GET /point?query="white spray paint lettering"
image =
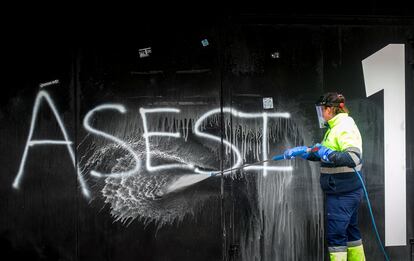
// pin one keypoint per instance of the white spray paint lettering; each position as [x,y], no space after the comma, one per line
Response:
[31,143]
[121,143]
[148,134]
[265,116]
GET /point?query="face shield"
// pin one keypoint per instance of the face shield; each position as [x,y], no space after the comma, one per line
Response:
[329,100]
[321,120]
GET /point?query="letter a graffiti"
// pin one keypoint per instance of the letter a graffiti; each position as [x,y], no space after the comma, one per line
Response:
[43,95]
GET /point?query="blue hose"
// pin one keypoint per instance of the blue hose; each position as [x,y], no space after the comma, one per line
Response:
[281,157]
[372,216]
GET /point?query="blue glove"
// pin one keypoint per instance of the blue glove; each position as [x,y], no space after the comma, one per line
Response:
[297,151]
[323,153]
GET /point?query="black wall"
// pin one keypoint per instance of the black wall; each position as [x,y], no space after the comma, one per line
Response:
[238,217]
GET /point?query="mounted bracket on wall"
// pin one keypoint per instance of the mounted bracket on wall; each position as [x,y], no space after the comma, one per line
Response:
[268,103]
[205,42]
[144,52]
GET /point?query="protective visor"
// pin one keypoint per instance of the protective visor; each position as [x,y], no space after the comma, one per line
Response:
[321,120]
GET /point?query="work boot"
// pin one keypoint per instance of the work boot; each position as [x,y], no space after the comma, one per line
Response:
[356,253]
[338,256]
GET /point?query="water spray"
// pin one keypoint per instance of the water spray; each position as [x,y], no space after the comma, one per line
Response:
[187,181]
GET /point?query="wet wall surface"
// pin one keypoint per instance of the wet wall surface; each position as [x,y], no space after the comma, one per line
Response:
[122,146]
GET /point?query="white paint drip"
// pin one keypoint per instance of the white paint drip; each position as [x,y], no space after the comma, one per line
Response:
[247,142]
[188,180]
[280,217]
[264,144]
[265,116]
[215,138]
[144,196]
[148,134]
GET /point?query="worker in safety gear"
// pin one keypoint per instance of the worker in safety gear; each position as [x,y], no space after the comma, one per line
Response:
[339,152]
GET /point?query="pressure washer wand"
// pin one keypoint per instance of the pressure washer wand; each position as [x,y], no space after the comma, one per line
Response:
[241,167]
[274,158]
[188,180]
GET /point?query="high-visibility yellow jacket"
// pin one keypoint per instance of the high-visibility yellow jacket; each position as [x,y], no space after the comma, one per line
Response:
[344,138]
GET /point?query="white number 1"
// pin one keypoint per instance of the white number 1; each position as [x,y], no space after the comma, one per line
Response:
[385,70]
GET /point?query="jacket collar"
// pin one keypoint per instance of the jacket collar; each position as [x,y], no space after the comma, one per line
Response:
[335,120]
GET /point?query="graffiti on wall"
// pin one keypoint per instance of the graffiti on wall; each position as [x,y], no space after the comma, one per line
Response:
[154,164]
[143,148]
